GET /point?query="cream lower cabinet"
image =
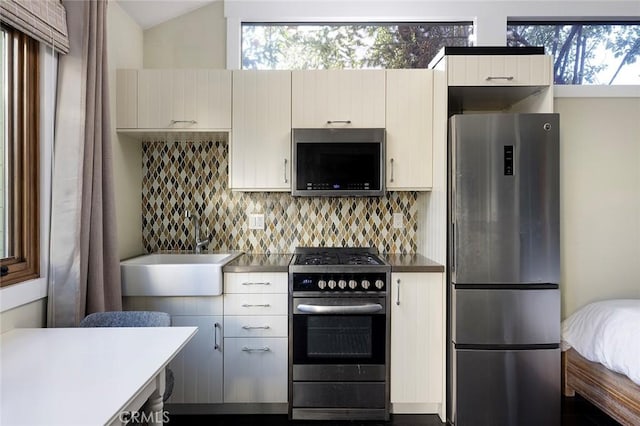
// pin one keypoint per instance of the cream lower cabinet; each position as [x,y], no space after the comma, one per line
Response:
[255,337]
[198,367]
[260,146]
[409,118]
[418,343]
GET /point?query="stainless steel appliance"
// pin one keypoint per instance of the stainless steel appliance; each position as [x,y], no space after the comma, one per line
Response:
[504,267]
[339,335]
[338,162]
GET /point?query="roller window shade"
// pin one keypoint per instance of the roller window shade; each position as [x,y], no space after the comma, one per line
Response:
[43,20]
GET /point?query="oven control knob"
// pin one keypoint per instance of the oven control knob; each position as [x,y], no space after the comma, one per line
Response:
[322,284]
[342,283]
[353,284]
[365,284]
[379,284]
[331,284]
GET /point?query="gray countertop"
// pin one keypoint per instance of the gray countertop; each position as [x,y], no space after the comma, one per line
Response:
[412,262]
[260,262]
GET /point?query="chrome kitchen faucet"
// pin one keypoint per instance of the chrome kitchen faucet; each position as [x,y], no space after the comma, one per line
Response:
[196,224]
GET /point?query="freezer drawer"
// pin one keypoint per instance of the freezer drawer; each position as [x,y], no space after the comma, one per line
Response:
[505,317]
[506,387]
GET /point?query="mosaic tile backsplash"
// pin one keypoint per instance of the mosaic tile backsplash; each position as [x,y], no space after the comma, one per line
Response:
[193,177]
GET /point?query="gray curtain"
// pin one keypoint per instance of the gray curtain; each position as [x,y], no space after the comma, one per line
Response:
[84,275]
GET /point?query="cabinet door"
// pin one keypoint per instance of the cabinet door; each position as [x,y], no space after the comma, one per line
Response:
[500,70]
[155,99]
[184,99]
[208,98]
[409,129]
[198,368]
[255,370]
[126,99]
[260,147]
[417,352]
[338,98]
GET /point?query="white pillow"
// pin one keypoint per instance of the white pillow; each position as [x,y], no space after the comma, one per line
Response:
[607,332]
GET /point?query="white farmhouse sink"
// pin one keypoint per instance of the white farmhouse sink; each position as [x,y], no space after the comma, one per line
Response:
[174,274]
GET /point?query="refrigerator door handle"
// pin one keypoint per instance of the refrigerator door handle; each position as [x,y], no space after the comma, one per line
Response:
[453,244]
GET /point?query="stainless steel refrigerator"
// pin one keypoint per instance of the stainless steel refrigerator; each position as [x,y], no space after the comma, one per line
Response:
[504,270]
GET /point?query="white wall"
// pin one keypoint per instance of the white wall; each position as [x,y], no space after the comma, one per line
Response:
[600,204]
[125,44]
[193,40]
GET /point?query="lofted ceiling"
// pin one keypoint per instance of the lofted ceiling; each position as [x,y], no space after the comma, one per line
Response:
[149,13]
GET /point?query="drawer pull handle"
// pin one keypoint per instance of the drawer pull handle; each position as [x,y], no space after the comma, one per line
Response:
[509,78]
[263,349]
[338,121]
[183,121]
[256,327]
[252,283]
[263,305]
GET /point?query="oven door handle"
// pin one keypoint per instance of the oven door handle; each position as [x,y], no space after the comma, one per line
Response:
[367,308]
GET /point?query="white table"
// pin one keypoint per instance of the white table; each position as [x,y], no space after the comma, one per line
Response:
[85,376]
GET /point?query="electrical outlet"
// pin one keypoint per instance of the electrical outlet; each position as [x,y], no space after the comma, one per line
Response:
[256,221]
[398,220]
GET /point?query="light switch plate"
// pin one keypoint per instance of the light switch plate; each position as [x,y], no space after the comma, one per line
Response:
[256,221]
[398,220]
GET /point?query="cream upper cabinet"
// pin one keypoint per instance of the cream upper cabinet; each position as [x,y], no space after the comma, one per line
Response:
[418,343]
[126,99]
[260,147]
[409,123]
[175,99]
[338,98]
[499,70]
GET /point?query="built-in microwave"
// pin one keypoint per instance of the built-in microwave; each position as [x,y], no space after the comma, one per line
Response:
[338,162]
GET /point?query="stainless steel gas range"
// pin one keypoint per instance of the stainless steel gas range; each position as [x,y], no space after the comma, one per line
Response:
[338,334]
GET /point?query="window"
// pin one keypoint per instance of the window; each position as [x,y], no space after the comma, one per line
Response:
[348,45]
[19,168]
[585,52]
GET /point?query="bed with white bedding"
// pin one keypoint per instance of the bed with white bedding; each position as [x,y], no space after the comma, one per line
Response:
[601,344]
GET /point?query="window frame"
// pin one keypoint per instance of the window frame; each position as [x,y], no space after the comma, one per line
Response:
[345,23]
[23,153]
[566,87]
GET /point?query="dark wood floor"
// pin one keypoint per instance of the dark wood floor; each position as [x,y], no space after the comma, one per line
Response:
[575,412]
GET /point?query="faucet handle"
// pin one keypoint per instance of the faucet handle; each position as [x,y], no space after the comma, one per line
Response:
[187,214]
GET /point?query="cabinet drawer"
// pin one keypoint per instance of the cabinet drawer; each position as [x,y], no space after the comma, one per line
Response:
[256,326]
[255,369]
[256,282]
[255,304]
[499,70]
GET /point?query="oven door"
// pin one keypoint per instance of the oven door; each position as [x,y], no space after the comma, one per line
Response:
[339,330]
